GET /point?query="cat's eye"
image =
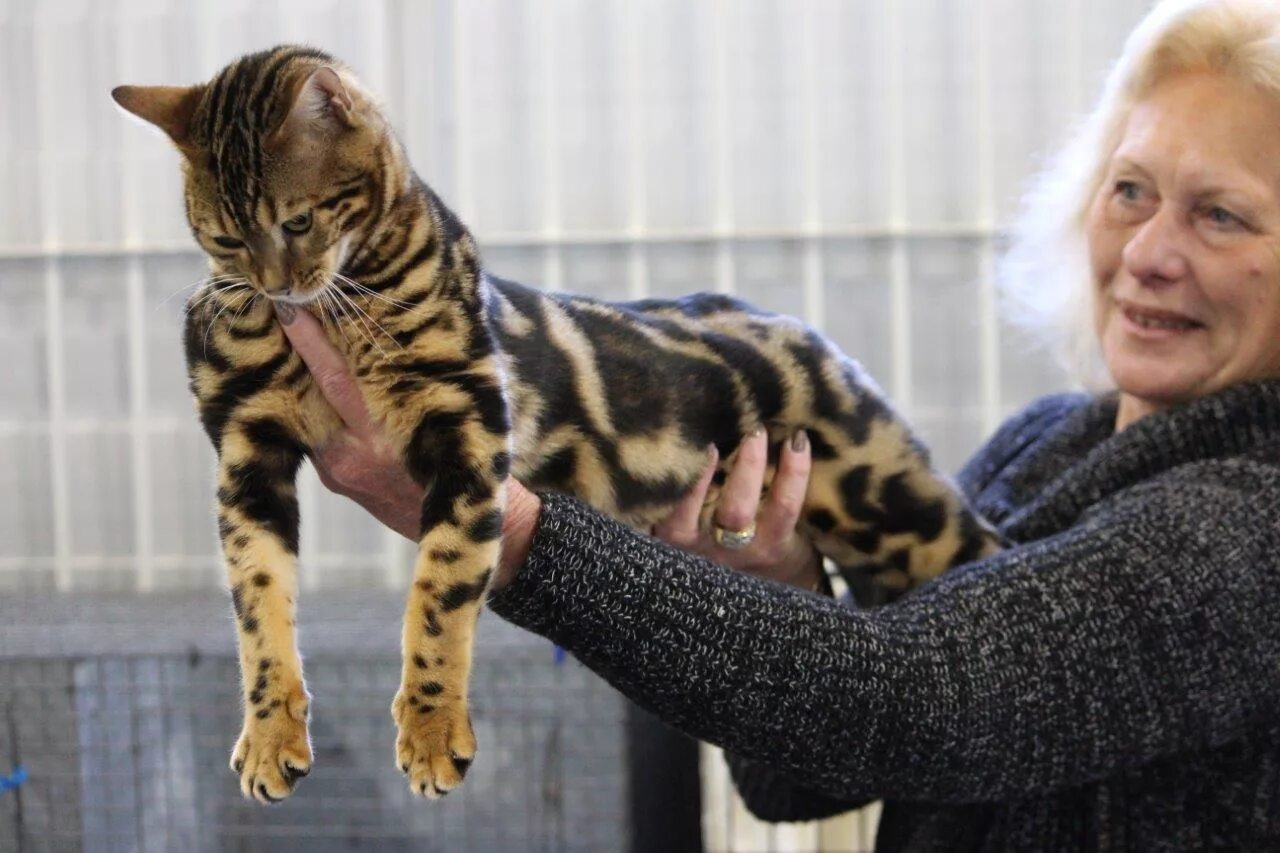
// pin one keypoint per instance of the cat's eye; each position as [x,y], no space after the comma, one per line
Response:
[299,224]
[228,242]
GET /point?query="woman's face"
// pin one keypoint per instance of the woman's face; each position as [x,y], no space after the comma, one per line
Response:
[1184,242]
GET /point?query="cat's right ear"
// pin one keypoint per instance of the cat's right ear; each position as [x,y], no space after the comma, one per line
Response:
[169,108]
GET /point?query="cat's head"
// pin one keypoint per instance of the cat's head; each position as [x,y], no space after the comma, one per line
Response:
[283,157]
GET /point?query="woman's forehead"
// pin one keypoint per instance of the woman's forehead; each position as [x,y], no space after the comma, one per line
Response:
[1206,129]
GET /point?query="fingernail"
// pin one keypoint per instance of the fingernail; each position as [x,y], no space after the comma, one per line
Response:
[757,432]
[713,452]
[800,441]
[285,312]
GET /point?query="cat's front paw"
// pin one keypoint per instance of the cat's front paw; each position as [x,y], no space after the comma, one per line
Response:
[435,745]
[274,749]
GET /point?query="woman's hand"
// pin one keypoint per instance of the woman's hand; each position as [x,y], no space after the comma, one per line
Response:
[361,464]
[777,551]
[358,462]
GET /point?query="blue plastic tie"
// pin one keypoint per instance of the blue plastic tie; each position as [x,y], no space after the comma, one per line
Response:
[559,656]
[14,779]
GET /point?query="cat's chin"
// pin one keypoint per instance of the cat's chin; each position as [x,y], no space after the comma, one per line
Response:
[296,299]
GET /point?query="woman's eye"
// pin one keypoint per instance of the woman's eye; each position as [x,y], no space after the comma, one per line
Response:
[299,224]
[1225,218]
[228,242]
[1128,190]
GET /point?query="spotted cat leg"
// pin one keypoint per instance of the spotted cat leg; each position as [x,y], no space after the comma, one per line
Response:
[258,524]
[462,523]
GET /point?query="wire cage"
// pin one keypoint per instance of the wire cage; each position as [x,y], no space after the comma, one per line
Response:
[129,751]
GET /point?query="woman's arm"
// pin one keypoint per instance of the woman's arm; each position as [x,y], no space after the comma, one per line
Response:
[1046,666]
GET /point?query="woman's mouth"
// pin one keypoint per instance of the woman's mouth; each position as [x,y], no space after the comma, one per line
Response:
[1156,320]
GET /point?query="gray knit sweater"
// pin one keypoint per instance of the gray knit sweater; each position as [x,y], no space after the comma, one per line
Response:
[1112,681]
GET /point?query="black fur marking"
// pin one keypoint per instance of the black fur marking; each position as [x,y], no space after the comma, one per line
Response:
[264,664]
[237,600]
[501,465]
[419,661]
[412,700]
[556,469]
[866,541]
[261,579]
[263,713]
[972,540]
[486,527]
[432,624]
[464,593]
[242,333]
[262,789]
[757,371]
[258,492]
[853,490]
[444,555]
[821,519]
[907,512]
[408,336]
[225,527]
[431,688]
[392,280]
[426,709]
[241,541]
[807,356]
[261,683]
[819,447]
[255,697]
[899,559]
[250,624]
[235,389]
[461,765]
[339,197]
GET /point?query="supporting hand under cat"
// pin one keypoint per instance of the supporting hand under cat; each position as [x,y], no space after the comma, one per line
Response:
[777,551]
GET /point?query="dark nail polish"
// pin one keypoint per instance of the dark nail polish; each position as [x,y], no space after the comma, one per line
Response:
[800,441]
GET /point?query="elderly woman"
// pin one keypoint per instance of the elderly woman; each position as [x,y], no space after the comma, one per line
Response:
[1112,679]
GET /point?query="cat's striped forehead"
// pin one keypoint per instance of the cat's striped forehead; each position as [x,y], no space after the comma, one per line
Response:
[241,106]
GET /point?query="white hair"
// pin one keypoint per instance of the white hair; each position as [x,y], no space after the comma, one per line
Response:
[1044,274]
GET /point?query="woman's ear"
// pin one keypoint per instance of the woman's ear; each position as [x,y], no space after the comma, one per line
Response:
[169,108]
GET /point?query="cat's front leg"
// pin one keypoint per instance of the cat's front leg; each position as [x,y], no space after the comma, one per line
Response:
[258,524]
[457,554]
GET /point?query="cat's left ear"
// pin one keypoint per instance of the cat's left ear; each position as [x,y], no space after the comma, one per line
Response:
[169,108]
[322,104]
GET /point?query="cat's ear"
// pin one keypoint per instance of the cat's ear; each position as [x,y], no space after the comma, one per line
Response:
[169,108]
[322,104]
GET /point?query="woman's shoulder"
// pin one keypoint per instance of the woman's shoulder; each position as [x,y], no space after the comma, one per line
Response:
[1016,434]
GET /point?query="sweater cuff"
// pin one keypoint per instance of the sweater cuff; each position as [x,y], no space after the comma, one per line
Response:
[566,531]
[772,797]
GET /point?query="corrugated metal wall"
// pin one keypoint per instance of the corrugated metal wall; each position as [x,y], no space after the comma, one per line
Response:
[849,161]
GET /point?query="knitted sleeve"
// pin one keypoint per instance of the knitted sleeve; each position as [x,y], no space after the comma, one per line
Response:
[1150,627]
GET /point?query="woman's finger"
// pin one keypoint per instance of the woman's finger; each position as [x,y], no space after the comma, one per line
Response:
[787,492]
[680,527]
[740,498]
[328,367]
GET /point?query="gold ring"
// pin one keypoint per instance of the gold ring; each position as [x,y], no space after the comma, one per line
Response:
[733,540]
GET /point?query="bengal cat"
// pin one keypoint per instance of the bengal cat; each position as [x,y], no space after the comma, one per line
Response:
[299,192]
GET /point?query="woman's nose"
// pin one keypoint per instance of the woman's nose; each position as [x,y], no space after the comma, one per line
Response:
[1155,253]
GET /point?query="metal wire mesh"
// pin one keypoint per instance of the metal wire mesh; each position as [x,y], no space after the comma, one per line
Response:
[127,752]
